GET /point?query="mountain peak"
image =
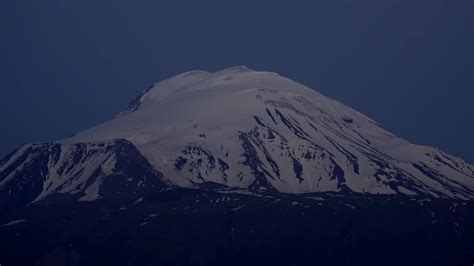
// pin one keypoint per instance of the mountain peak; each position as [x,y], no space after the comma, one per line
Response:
[270,132]
[248,130]
[236,69]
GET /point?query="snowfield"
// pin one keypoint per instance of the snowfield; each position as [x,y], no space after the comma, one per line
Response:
[241,129]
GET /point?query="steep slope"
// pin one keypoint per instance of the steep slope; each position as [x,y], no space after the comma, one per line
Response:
[84,172]
[259,131]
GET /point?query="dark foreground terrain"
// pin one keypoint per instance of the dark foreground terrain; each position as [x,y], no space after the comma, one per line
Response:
[190,227]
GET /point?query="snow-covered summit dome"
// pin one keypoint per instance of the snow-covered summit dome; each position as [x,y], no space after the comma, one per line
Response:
[262,124]
[239,128]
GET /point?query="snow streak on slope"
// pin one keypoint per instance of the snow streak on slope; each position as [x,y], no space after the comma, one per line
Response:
[78,171]
[260,131]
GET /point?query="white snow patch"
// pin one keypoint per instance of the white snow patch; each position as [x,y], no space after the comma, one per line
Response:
[351,206]
[15,222]
[139,200]
[239,207]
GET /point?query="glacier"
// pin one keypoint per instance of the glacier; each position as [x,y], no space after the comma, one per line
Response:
[239,129]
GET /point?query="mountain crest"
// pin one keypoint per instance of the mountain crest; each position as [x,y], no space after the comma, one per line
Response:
[240,129]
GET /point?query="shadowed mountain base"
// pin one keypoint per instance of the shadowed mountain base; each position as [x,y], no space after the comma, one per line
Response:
[191,227]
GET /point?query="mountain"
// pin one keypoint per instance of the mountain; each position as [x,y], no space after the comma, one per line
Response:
[235,129]
[81,171]
[236,167]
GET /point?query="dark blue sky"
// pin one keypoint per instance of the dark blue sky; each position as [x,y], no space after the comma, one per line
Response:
[68,65]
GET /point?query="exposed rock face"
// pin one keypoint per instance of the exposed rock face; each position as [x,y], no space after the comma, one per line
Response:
[236,128]
[81,171]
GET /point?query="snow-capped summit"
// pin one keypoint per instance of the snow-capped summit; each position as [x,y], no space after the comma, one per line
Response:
[251,130]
